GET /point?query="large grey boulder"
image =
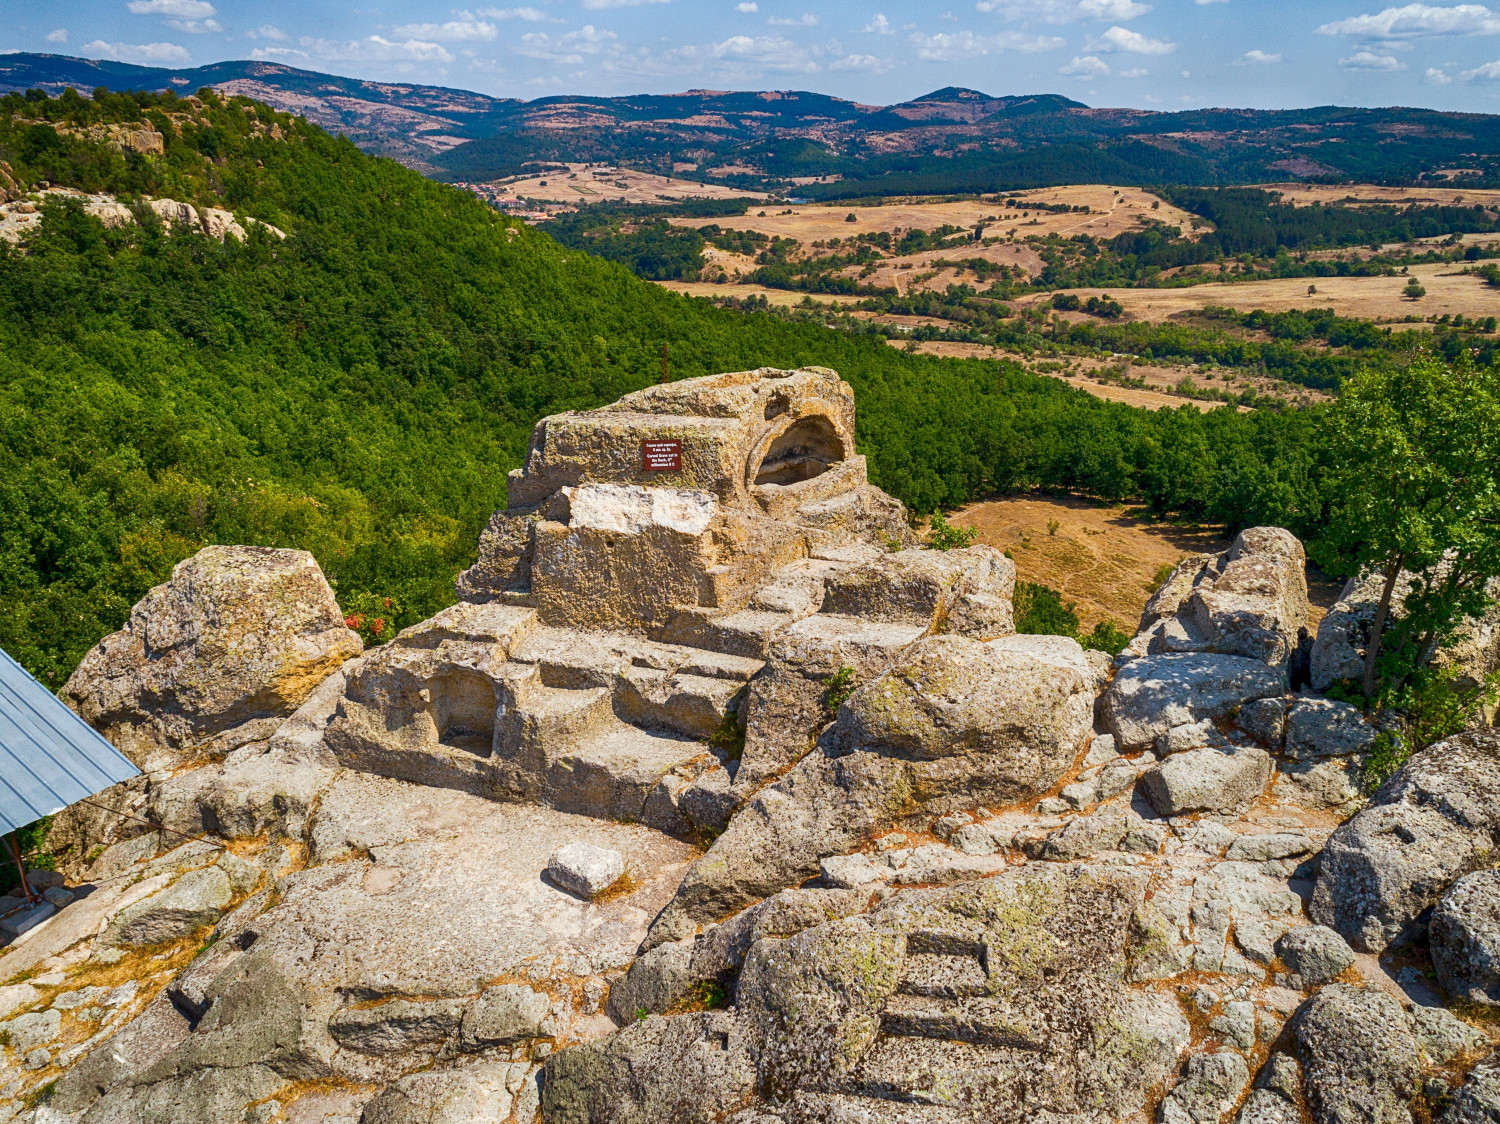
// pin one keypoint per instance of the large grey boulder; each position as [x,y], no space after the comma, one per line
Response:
[954,724]
[1208,780]
[1326,728]
[505,1013]
[196,899]
[1478,1098]
[1436,820]
[216,657]
[1209,1088]
[1314,952]
[1149,696]
[1465,938]
[1249,601]
[1359,1056]
[585,870]
[449,1096]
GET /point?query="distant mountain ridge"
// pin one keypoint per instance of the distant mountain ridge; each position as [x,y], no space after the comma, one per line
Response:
[951,140]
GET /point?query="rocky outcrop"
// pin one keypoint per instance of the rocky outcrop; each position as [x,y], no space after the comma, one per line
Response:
[1151,695]
[1436,820]
[1359,1055]
[1344,634]
[954,724]
[1249,601]
[1465,938]
[217,657]
[936,1003]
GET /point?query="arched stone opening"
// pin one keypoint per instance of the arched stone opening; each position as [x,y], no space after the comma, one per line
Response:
[463,709]
[809,448]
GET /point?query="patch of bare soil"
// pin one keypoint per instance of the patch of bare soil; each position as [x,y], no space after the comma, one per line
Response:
[582,184]
[1108,559]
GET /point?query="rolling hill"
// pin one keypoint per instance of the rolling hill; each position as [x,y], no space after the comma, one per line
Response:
[952,140]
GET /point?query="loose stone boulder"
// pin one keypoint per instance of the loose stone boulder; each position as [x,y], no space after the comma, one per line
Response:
[449,1096]
[1359,1056]
[1465,938]
[1209,1088]
[1326,728]
[1436,820]
[1208,780]
[954,724]
[1478,1098]
[1150,696]
[585,870]
[1314,952]
[216,657]
[503,1014]
[196,899]
[1249,601]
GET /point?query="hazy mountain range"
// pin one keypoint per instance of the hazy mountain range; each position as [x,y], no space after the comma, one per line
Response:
[951,140]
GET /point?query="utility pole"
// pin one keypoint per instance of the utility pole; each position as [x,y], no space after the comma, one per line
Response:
[664,362]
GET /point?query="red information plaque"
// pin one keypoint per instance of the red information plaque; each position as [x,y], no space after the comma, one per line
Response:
[662,456]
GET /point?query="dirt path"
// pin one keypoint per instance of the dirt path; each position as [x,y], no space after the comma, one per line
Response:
[1107,559]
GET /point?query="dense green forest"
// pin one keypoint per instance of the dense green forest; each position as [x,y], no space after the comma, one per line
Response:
[361,388]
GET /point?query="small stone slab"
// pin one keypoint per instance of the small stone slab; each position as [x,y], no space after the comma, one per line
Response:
[585,870]
[25,919]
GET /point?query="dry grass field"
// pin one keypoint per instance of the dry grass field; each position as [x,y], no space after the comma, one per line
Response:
[1106,559]
[1305,194]
[582,184]
[1370,298]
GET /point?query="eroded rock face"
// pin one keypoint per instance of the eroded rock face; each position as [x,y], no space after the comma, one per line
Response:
[937,997]
[1249,601]
[954,723]
[1465,938]
[1151,695]
[1433,822]
[217,657]
[1360,1057]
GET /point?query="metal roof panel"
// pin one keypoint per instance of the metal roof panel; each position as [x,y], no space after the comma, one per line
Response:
[49,757]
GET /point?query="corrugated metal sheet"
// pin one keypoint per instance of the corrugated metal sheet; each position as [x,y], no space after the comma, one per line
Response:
[49,757]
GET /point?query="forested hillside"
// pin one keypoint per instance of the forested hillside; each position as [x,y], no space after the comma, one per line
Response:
[361,388]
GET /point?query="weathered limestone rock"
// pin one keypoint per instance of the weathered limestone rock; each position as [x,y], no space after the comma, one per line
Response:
[971,589]
[196,899]
[1264,720]
[1359,1055]
[585,870]
[505,1013]
[1465,938]
[218,656]
[1314,952]
[955,723]
[448,1096]
[1436,820]
[1249,601]
[1326,728]
[1151,695]
[934,998]
[1208,780]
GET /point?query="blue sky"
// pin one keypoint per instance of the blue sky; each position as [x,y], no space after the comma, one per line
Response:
[1157,54]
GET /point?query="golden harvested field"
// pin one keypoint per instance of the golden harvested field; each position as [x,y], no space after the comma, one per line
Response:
[1104,558]
[1113,211]
[582,184]
[1305,194]
[1369,298]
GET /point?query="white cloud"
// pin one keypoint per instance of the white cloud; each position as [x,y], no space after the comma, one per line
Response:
[569,48]
[58,36]
[1206,2]
[1418,20]
[527,15]
[1368,60]
[465,30]
[1131,42]
[1436,77]
[269,31]
[138,52]
[1489,72]
[195,27]
[1257,57]
[600,5]
[748,7]
[880,26]
[1135,72]
[179,9]
[945,47]
[859,62]
[1086,66]
[372,48]
[1064,11]
[806,19]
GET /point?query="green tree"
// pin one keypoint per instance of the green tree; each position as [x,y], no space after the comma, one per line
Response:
[1415,486]
[1414,290]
